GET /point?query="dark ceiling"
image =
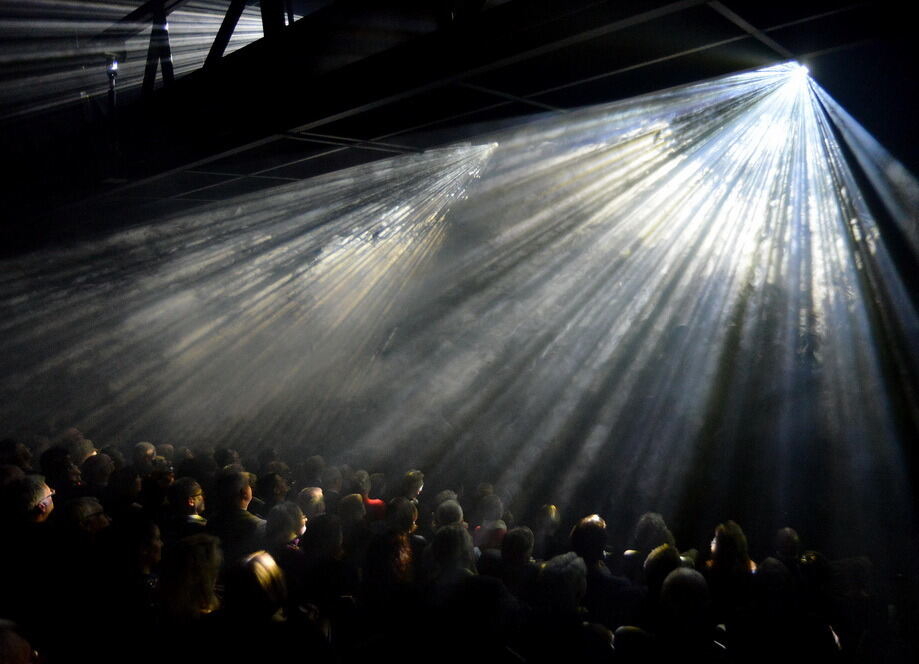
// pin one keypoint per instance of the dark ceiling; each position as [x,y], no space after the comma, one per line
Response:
[353,81]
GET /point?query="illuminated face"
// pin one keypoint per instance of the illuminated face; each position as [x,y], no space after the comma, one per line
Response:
[197,501]
[46,505]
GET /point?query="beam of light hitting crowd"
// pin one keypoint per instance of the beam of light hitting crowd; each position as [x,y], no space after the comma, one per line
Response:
[49,57]
[664,295]
[679,299]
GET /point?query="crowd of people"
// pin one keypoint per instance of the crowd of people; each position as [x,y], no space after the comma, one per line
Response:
[158,553]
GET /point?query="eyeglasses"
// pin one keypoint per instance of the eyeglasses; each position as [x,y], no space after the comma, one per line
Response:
[44,501]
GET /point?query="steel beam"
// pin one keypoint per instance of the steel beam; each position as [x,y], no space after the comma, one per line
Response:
[234,11]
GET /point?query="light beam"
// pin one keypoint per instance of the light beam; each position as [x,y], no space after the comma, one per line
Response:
[678,302]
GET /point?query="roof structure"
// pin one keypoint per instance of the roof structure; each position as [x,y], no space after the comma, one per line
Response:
[339,83]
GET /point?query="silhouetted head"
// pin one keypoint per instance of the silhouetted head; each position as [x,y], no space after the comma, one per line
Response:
[225,456]
[491,508]
[659,563]
[97,470]
[443,496]
[412,484]
[311,501]
[402,515]
[266,456]
[15,453]
[143,456]
[188,577]
[78,447]
[60,471]
[787,544]
[84,514]
[331,479]
[548,519]
[377,485]
[137,543]
[234,490]
[448,512]
[773,587]
[351,510]
[186,496]
[10,475]
[273,487]
[322,538]
[562,583]
[284,524]
[452,549]
[361,483]
[650,532]
[517,546]
[162,473]
[116,455]
[389,560]
[254,588]
[685,599]
[312,468]
[588,538]
[124,484]
[729,549]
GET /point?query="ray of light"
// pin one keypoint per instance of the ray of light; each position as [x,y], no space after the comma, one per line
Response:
[678,302]
[49,58]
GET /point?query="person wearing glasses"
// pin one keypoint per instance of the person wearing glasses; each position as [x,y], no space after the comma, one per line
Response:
[186,506]
[27,548]
[35,499]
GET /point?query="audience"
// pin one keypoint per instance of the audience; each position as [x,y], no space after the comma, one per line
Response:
[154,562]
